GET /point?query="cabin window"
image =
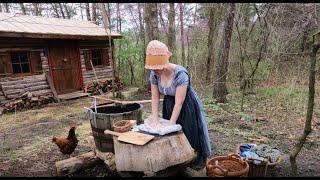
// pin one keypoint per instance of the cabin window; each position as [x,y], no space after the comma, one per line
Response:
[20,62]
[95,55]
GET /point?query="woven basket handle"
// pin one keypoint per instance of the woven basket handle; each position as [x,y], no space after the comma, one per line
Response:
[235,156]
[224,171]
[254,159]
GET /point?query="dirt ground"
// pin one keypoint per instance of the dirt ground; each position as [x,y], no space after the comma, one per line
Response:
[27,150]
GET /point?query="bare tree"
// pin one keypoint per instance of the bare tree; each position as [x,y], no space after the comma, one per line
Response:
[171,33]
[163,25]
[212,28]
[220,86]
[88,12]
[6,5]
[183,55]
[94,12]
[108,29]
[36,9]
[307,126]
[23,9]
[151,20]
[67,10]
[55,9]
[61,10]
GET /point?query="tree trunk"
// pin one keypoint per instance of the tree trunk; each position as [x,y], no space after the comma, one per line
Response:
[183,55]
[108,29]
[142,35]
[163,25]
[94,12]
[118,17]
[212,28]
[0,12]
[220,86]
[143,38]
[109,16]
[307,126]
[195,15]
[151,20]
[171,34]
[88,12]
[6,5]
[55,9]
[23,9]
[67,11]
[80,5]
[188,50]
[36,9]
[61,10]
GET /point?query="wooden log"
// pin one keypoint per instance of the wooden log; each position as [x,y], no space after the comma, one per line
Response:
[108,159]
[22,80]
[74,164]
[21,86]
[159,154]
[30,89]
[35,93]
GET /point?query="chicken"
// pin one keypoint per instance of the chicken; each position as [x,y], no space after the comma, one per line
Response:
[67,145]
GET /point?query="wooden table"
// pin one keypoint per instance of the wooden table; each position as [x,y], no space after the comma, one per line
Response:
[161,153]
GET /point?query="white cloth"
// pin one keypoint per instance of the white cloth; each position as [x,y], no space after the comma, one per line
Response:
[168,128]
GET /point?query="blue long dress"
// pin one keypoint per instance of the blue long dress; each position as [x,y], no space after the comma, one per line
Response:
[192,115]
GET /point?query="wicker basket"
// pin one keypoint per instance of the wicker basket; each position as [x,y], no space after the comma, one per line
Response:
[226,166]
[122,126]
[258,169]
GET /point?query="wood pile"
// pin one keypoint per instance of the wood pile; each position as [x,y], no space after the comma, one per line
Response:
[105,85]
[15,87]
[27,100]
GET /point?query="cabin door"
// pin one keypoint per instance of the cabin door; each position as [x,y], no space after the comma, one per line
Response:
[65,65]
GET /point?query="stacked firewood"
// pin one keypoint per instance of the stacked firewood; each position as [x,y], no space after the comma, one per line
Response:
[25,101]
[104,85]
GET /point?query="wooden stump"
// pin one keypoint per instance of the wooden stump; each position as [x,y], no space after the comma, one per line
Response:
[157,155]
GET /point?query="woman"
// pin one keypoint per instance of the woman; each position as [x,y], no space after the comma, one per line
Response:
[181,104]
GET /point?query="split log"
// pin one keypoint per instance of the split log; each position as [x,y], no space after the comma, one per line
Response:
[74,164]
[159,154]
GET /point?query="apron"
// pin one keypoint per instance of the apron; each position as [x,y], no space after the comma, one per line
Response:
[191,118]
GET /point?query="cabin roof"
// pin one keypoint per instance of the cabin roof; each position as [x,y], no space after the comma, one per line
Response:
[17,25]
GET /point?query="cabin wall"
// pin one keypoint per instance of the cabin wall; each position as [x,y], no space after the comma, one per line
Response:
[102,73]
[12,86]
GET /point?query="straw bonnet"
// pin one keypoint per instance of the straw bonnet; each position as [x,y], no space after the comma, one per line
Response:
[157,55]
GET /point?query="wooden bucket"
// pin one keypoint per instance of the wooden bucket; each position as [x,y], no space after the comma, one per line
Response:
[104,119]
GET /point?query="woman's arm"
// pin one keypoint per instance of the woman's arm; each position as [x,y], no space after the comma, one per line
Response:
[181,92]
[155,102]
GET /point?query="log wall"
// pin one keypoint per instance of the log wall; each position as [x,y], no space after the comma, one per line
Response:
[101,72]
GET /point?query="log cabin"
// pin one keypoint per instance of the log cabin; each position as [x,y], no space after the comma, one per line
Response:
[51,56]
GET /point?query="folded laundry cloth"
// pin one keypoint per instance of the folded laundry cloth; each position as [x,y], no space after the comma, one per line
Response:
[246,147]
[168,128]
[268,152]
[249,154]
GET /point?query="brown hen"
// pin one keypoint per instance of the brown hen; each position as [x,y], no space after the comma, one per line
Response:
[69,144]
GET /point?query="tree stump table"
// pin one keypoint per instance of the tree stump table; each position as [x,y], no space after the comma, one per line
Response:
[160,154]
